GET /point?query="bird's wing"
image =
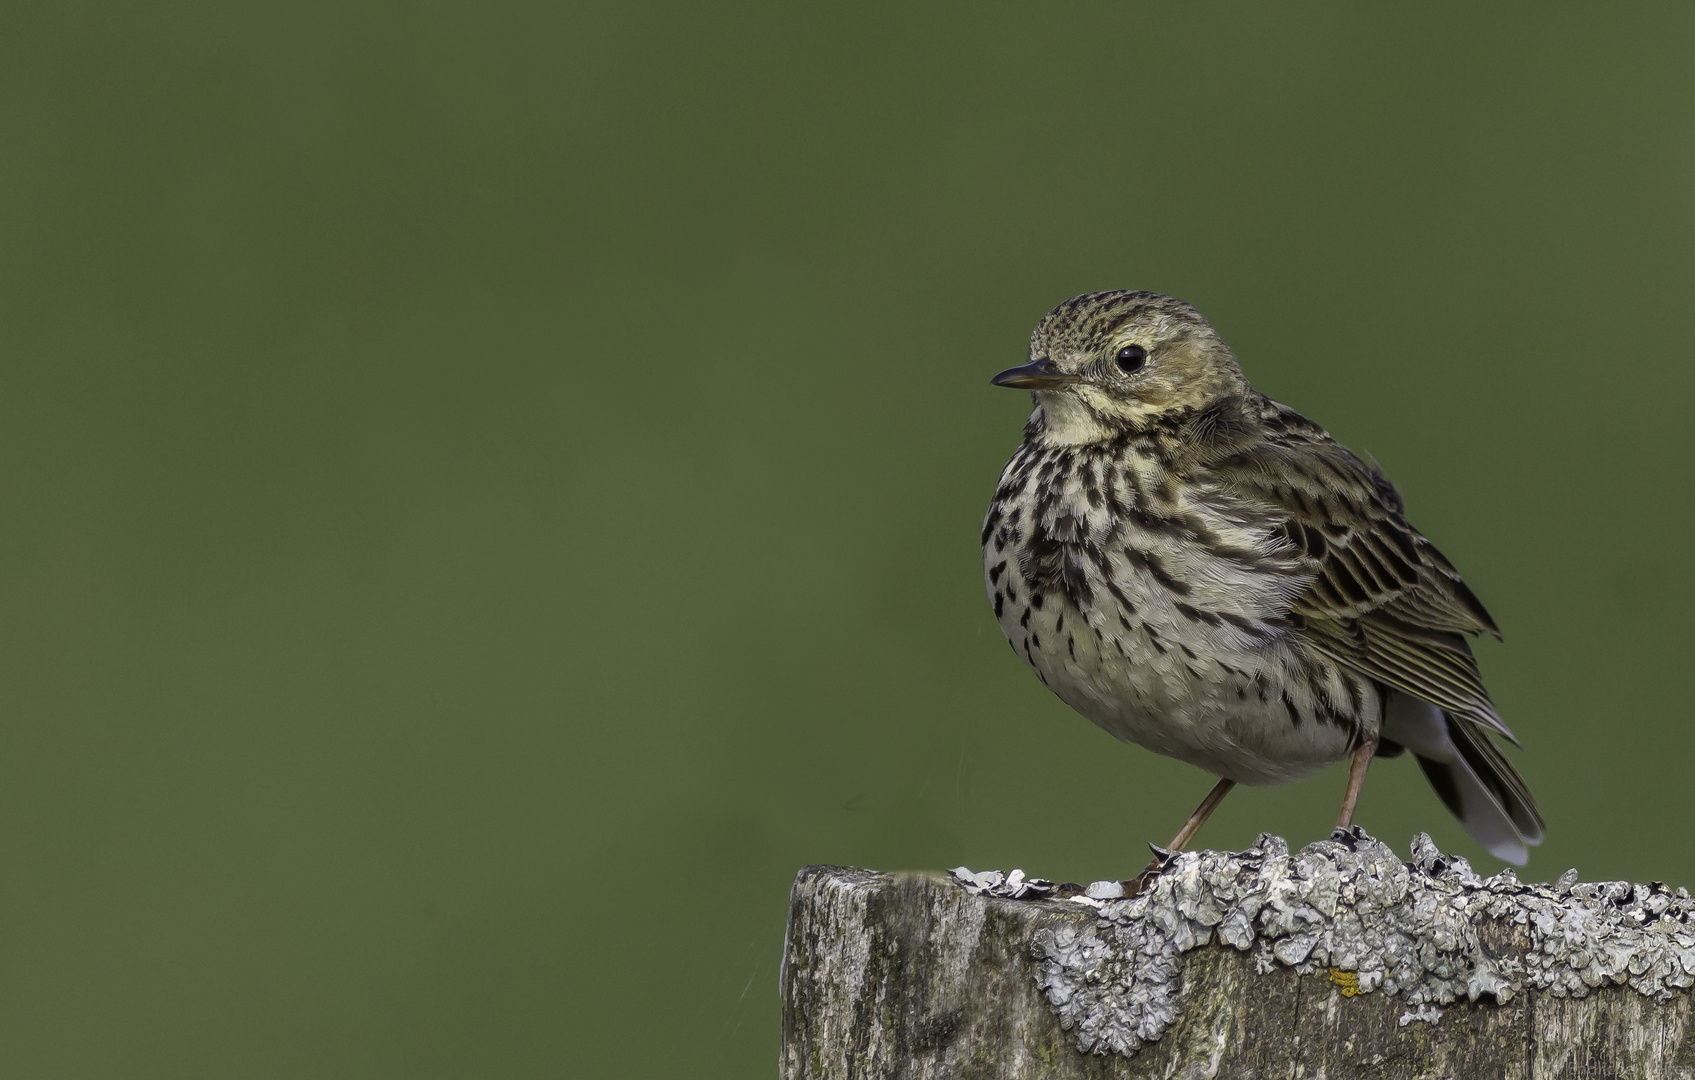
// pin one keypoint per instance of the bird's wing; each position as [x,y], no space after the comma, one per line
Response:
[1380,598]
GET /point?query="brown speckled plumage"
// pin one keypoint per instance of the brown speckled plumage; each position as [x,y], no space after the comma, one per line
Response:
[1207,573]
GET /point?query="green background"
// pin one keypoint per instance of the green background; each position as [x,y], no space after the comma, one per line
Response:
[488,491]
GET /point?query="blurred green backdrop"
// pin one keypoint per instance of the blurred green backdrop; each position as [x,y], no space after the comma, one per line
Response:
[487,491]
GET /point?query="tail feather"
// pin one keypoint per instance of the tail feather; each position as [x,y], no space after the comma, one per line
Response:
[1470,774]
[1486,762]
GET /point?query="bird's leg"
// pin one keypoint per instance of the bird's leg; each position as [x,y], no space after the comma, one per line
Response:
[1356,781]
[1184,835]
[1202,812]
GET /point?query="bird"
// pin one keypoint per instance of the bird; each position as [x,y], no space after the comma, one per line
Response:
[1206,573]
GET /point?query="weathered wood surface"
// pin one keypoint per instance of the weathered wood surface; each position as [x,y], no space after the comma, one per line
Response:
[912,975]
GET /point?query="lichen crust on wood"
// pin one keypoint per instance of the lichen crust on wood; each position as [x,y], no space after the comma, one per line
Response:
[1349,906]
[1339,960]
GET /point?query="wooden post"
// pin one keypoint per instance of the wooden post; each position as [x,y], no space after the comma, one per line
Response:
[1338,961]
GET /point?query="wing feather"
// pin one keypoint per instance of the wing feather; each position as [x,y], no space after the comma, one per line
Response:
[1381,598]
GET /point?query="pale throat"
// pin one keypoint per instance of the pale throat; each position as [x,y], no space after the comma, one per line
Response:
[1067,421]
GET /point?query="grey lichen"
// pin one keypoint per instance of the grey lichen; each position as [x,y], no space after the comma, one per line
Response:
[1350,906]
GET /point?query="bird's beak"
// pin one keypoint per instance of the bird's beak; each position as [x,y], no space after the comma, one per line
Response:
[1041,374]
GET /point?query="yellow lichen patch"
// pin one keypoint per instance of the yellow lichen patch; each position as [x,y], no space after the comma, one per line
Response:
[1349,981]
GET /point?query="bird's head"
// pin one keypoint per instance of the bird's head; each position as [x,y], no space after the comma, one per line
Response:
[1107,363]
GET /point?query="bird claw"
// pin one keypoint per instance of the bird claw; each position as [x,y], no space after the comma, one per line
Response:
[1350,836]
[1163,858]
[1140,883]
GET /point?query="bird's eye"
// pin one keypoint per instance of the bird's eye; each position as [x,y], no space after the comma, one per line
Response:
[1132,357]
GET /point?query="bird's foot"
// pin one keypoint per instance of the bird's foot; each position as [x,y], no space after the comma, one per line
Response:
[1350,836]
[1138,884]
[1163,857]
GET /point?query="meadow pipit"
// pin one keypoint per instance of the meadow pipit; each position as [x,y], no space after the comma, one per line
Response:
[1207,573]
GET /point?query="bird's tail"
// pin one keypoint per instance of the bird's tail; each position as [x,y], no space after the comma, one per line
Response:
[1472,776]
